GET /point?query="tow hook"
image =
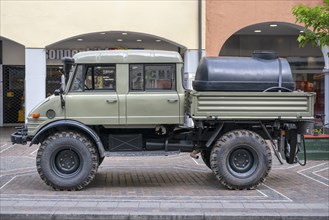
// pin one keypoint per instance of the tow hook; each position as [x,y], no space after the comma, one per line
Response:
[194,153]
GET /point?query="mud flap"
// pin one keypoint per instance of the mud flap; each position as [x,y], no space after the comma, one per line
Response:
[291,145]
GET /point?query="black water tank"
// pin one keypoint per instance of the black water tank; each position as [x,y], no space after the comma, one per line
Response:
[258,73]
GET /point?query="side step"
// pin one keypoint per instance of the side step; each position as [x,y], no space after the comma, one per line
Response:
[140,153]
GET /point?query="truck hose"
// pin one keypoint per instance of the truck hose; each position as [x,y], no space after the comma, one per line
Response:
[304,162]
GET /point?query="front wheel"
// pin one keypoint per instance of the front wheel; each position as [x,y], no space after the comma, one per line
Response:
[67,161]
[241,159]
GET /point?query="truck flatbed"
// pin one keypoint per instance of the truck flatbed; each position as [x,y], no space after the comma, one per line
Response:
[249,105]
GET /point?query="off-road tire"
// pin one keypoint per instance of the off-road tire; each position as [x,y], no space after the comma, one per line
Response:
[67,161]
[205,155]
[100,160]
[241,159]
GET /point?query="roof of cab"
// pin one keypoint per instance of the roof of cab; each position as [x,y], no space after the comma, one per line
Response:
[127,56]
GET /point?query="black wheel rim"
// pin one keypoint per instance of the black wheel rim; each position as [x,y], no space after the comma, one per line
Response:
[66,162]
[242,161]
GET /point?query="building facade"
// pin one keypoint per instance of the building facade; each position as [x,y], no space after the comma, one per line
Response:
[237,28]
[36,35]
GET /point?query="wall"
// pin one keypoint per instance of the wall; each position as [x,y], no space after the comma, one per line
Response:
[285,46]
[225,17]
[12,53]
[37,24]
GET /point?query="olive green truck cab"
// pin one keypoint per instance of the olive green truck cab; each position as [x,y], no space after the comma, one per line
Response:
[133,102]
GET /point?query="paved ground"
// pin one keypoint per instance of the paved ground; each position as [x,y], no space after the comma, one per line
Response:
[172,187]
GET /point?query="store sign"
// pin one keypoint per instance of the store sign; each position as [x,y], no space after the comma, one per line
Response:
[58,54]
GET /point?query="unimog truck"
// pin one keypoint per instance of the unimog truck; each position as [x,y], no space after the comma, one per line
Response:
[133,102]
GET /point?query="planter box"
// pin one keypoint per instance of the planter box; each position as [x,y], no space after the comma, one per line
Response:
[317,147]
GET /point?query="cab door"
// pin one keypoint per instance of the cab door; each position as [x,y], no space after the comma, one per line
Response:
[152,96]
[92,97]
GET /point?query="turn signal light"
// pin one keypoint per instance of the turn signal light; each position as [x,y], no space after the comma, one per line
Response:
[35,115]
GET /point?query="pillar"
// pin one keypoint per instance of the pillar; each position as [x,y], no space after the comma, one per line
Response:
[35,77]
[191,62]
[1,94]
[325,51]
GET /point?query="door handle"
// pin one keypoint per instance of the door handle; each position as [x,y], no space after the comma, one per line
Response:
[172,100]
[111,100]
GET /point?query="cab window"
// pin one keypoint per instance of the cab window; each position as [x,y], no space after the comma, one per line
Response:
[144,77]
[95,77]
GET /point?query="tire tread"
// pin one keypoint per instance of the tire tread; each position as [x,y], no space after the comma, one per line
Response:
[222,142]
[88,145]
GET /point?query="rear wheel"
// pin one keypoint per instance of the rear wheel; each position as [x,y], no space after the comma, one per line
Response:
[241,159]
[67,161]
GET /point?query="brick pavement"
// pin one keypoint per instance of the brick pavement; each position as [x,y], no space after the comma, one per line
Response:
[172,187]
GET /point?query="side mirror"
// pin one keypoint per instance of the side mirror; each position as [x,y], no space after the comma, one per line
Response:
[57,92]
[67,64]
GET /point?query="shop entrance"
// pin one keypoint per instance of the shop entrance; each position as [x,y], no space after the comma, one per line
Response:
[12,75]
[13,94]
[306,63]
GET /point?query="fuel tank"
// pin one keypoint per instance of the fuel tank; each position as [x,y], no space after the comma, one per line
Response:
[264,71]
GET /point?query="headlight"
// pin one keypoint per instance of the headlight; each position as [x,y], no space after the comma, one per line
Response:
[51,114]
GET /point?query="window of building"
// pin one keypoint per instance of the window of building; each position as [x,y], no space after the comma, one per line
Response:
[53,79]
[309,77]
[144,77]
[98,77]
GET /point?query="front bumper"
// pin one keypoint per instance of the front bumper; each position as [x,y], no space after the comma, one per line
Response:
[20,136]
